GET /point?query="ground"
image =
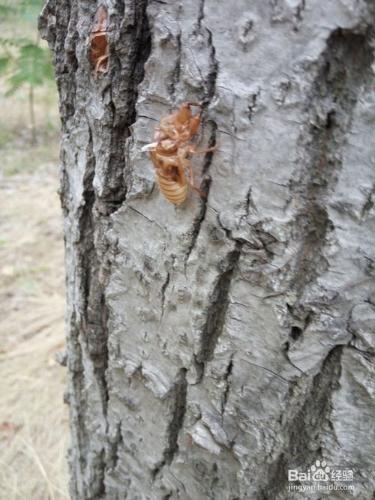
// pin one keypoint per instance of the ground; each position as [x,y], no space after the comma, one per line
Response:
[33,418]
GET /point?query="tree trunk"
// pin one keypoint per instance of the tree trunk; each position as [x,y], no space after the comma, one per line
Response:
[215,345]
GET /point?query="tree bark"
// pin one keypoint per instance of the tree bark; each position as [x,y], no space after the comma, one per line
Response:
[214,346]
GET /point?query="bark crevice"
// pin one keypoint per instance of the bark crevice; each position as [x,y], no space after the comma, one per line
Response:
[175,77]
[345,67]
[227,382]
[163,291]
[303,430]
[209,93]
[179,395]
[217,309]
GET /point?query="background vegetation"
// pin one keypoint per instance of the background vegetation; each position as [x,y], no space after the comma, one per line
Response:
[29,128]
[33,419]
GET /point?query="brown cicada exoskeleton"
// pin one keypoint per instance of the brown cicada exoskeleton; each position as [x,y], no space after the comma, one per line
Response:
[171,152]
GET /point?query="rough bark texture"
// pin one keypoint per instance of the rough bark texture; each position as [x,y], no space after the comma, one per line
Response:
[213,346]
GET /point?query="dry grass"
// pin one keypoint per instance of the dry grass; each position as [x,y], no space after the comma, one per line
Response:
[18,155]
[33,418]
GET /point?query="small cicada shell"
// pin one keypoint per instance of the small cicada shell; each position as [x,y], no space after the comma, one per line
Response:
[99,47]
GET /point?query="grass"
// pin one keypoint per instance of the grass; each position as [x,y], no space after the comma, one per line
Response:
[33,418]
[18,152]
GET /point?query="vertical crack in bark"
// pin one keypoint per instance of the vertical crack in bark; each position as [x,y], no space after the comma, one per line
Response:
[163,290]
[299,9]
[205,187]
[345,67]
[172,86]
[213,69]
[303,429]
[227,380]
[93,317]
[137,38]
[252,106]
[201,13]
[217,310]
[369,203]
[176,422]
[177,417]
[210,89]
[114,445]
[197,223]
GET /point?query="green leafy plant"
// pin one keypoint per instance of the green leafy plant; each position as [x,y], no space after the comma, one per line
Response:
[23,61]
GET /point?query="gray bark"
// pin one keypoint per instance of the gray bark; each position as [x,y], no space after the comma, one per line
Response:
[215,345]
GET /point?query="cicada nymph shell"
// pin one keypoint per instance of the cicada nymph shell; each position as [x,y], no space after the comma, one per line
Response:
[99,47]
[171,151]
